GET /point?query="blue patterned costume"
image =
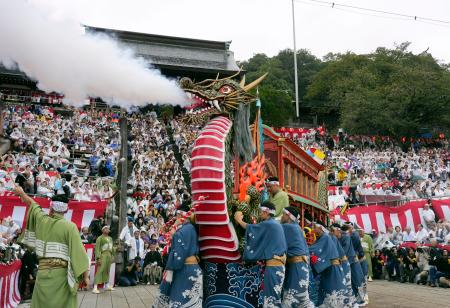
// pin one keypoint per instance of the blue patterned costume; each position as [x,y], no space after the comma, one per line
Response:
[356,272]
[356,241]
[264,241]
[296,283]
[332,289]
[186,288]
[351,300]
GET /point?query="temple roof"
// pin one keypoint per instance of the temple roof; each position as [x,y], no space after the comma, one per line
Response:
[176,55]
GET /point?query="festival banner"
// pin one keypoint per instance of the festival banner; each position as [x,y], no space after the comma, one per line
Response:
[379,217]
[9,284]
[81,213]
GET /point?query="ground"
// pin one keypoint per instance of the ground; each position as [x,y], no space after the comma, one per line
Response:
[383,294]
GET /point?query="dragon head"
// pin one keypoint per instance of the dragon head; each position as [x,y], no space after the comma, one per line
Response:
[213,97]
[217,96]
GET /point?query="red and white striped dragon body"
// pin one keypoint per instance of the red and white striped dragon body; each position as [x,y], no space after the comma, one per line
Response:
[218,103]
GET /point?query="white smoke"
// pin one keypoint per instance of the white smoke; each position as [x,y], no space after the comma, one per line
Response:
[60,57]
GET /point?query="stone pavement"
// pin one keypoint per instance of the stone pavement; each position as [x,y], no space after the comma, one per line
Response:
[406,295]
[383,294]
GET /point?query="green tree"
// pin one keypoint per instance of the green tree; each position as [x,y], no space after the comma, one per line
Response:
[277,92]
[390,91]
[276,107]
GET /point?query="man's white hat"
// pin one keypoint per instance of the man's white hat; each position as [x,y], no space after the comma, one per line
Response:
[59,206]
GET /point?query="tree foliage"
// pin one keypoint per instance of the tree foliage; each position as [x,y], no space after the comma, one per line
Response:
[389,92]
[277,92]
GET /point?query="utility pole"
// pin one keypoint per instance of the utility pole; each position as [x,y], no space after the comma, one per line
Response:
[297,107]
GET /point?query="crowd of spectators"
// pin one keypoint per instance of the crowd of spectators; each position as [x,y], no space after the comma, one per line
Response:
[367,166]
[73,156]
[419,173]
[431,230]
[416,257]
[184,136]
[156,188]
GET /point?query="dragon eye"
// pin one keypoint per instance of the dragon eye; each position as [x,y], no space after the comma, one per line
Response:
[226,89]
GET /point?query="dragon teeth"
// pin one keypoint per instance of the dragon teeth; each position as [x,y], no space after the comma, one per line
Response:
[189,95]
[216,104]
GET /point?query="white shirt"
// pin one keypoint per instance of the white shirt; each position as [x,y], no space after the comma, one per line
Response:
[428,215]
[408,237]
[421,235]
[133,251]
[447,239]
[125,233]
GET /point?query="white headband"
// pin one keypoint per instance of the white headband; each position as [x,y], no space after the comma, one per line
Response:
[273,182]
[266,209]
[59,206]
[325,230]
[291,216]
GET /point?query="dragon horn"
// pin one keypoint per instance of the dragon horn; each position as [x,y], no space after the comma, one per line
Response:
[254,83]
[216,80]
[242,83]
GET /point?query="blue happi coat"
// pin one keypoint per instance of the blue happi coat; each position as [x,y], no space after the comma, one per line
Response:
[356,241]
[296,282]
[355,267]
[263,241]
[186,288]
[331,290]
[351,300]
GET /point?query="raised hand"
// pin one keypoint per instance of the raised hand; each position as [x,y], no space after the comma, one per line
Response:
[18,190]
[238,216]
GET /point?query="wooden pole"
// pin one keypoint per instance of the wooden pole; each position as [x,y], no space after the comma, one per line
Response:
[122,188]
[124,168]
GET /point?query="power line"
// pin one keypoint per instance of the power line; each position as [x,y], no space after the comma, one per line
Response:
[395,15]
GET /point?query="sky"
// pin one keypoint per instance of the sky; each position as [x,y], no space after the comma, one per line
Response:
[265,26]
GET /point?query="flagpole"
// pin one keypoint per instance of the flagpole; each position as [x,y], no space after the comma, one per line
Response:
[257,128]
[297,108]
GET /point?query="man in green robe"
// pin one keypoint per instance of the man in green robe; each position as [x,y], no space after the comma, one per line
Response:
[63,261]
[367,245]
[104,253]
[277,196]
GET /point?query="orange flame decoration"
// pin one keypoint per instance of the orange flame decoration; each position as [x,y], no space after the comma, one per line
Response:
[251,174]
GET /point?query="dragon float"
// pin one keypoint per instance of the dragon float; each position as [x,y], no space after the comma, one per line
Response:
[222,108]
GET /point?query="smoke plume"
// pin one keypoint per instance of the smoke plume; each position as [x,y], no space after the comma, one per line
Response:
[60,57]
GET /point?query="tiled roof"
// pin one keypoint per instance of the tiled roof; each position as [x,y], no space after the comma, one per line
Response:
[179,52]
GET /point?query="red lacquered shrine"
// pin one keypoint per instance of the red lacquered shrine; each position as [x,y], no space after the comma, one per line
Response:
[299,175]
